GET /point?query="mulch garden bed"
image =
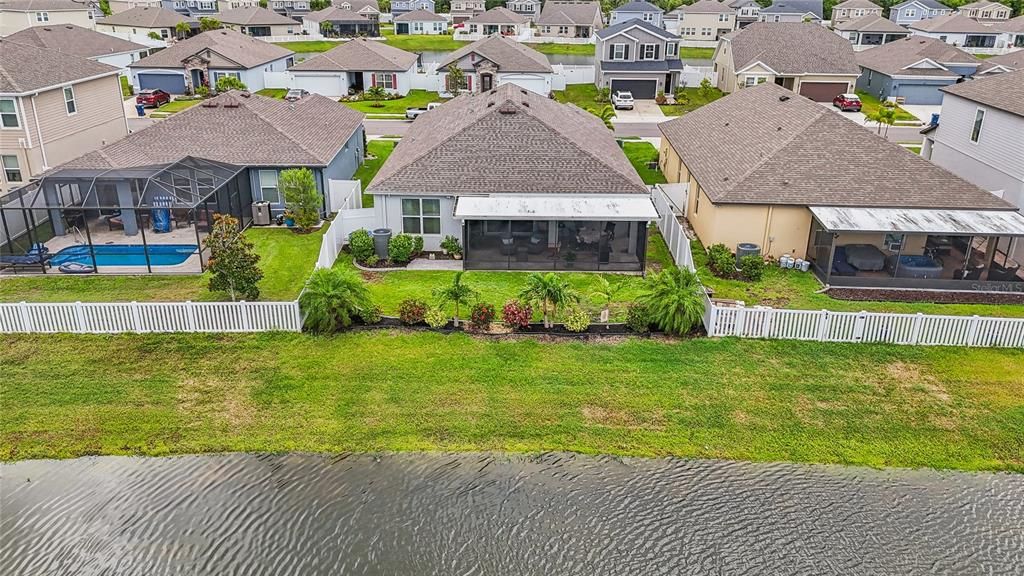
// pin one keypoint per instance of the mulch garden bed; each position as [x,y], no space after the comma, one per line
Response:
[866,294]
[596,332]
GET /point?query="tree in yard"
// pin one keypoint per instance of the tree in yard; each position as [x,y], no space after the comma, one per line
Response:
[458,293]
[154,36]
[315,5]
[550,292]
[675,299]
[206,24]
[182,29]
[884,115]
[263,3]
[375,94]
[226,83]
[232,263]
[333,298]
[706,89]
[605,114]
[605,293]
[301,196]
[105,7]
[326,28]
[456,79]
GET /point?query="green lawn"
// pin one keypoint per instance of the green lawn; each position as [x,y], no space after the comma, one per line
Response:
[303,46]
[694,100]
[177,106]
[286,259]
[126,88]
[422,42]
[278,93]
[582,95]
[914,149]
[414,99]
[871,104]
[639,154]
[696,53]
[75,395]
[380,149]
[552,48]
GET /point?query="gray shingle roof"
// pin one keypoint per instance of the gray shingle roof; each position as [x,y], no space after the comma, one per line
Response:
[893,58]
[953,23]
[335,14]
[25,68]
[359,55]
[258,131]
[146,17]
[508,55]
[247,51]
[872,23]
[569,13]
[638,7]
[646,26]
[705,7]
[255,16]
[1013,25]
[508,140]
[1011,60]
[642,66]
[793,48]
[419,15]
[72,39]
[48,5]
[497,15]
[930,4]
[1004,91]
[868,4]
[794,7]
[767,145]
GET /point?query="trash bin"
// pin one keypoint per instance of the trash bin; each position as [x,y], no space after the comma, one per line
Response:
[140,109]
[261,213]
[381,237]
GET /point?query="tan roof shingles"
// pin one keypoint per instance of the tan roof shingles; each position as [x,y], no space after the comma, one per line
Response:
[25,68]
[872,23]
[256,16]
[146,17]
[1004,91]
[498,15]
[247,51]
[793,48]
[705,7]
[893,58]
[419,15]
[767,145]
[259,131]
[72,39]
[508,140]
[569,13]
[508,55]
[47,5]
[359,55]
[953,23]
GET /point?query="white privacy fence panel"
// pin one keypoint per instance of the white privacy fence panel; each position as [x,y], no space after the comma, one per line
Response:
[574,74]
[140,317]
[693,75]
[330,245]
[277,79]
[672,230]
[344,195]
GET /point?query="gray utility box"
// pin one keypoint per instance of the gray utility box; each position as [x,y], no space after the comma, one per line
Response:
[261,213]
[381,237]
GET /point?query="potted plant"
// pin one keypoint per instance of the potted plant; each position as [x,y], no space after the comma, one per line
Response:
[450,245]
[570,259]
[289,218]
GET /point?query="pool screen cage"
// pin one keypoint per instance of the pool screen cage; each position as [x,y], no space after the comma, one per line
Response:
[76,220]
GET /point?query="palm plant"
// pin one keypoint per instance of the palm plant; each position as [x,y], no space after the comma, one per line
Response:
[549,292]
[675,299]
[333,297]
[605,114]
[884,115]
[605,293]
[182,29]
[458,293]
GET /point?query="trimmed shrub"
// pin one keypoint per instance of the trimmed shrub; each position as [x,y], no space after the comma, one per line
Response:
[516,315]
[752,268]
[721,261]
[370,315]
[451,245]
[417,245]
[436,318]
[361,245]
[412,311]
[481,315]
[577,320]
[372,261]
[400,248]
[638,318]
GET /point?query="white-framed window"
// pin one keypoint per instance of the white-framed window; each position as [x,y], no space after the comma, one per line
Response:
[164,33]
[911,12]
[648,16]
[705,31]
[268,186]
[218,75]
[417,26]
[545,29]
[979,120]
[778,18]
[421,215]
[69,100]
[723,17]
[986,14]
[670,49]
[9,113]
[688,32]
[563,29]
[618,51]
[42,16]
[648,51]
[754,80]
[12,171]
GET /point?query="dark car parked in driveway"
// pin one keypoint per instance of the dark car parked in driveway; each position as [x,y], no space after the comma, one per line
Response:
[152,97]
[847,102]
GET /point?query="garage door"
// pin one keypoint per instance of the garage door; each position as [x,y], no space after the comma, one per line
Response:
[170,83]
[641,89]
[532,83]
[918,94]
[330,86]
[822,91]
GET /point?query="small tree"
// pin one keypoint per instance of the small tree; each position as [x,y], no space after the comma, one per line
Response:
[675,300]
[458,293]
[333,298]
[301,196]
[375,94]
[206,24]
[605,114]
[232,263]
[105,7]
[264,3]
[550,292]
[326,28]
[706,89]
[605,293]
[884,115]
[456,79]
[182,29]
[154,36]
[227,83]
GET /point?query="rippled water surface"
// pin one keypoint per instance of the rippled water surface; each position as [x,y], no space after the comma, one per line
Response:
[496,514]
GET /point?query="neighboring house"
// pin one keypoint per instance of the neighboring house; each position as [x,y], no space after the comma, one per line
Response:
[854,9]
[913,70]
[959,31]
[906,13]
[499,20]
[1006,63]
[1012,32]
[122,5]
[496,60]
[143,20]
[202,59]
[235,4]
[985,12]
[420,22]
[53,107]
[17,15]
[193,8]
[760,167]
[462,10]
[979,137]
[339,22]
[295,9]
[804,57]
[705,20]
[354,66]
[869,31]
[569,19]
[528,9]
[256,21]
[399,7]
[368,8]
[638,57]
[465,169]
[793,11]
[644,11]
[747,12]
[71,39]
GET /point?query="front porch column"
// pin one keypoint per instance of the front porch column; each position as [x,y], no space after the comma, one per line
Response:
[53,199]
[126,200]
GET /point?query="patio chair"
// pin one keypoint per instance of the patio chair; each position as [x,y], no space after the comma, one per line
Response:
[1004,273]
[37,255]
[508,247]
[973,272]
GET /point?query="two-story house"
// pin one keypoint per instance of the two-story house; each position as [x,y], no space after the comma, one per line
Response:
[637,57]
[747,12]
[854,9]
[569,19]
[906,13]
[54,106]
[529,9]
[399,7]
[259,22]
[644,11]
[462,10]
[793,11]
[704,21]
[193,8]
[16,15]
[978,136]
[985,11]
[369,9]
[294,9]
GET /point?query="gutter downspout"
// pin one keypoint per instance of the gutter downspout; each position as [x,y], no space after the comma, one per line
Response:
[767,230]
[39,132]
[28,138]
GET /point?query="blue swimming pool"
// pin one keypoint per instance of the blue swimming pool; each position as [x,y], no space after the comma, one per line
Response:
[126,254]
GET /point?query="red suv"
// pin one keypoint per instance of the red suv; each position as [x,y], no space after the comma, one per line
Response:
[152,97]
[847,102]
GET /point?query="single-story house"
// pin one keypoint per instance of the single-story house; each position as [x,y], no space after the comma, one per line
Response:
[1006,63]
[337,22]
[72,39]
[793,11]
[496,60]
[569,19]
[142,20]
[202,59]
[760,167]
[958,30]
[17,15]
[153,194]
[912,70]
[420,22]
[637,57]
[399,7]
[804,57]
[354,66]
[256,21]
[459,171]
[498,20]
[1012,32]
[871,30]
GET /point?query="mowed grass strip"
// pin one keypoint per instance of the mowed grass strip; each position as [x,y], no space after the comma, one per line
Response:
[68,396]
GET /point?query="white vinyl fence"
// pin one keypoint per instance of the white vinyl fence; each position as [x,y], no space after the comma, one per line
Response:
[575,73]
[672,230]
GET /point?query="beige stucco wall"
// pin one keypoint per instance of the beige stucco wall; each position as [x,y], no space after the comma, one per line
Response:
[11,21]
[698,21]
[723,66]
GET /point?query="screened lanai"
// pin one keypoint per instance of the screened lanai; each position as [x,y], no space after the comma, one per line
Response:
[146,219]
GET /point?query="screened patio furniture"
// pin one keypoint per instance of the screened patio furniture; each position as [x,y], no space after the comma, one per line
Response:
[865,257]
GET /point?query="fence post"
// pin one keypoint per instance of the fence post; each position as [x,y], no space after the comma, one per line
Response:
[915,330]
[766,323]
[79,317]
[244,307]
[712,327]
[823,322]
[741,320]
[298,316]
[858,326]
[190,315]
[972,331]
[136,317]
[26,317]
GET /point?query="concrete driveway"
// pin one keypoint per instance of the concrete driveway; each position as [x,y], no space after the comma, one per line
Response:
[643,111]
[922,112]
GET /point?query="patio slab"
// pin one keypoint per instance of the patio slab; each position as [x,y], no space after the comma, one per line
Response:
[427,264]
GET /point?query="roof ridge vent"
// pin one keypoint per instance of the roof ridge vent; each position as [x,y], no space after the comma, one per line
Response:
[508,108]
[210,103]
[783,98]
[525,103]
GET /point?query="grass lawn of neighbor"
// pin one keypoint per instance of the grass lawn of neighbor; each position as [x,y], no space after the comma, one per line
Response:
[696,53]
[278,93]
[582,95]
[177,106]
[126,88]
[639,154]
[380,149]
[871,104]
[371,391]
[303,46]
[414,99]
[694,100]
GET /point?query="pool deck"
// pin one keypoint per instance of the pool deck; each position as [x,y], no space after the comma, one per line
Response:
[101,236]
